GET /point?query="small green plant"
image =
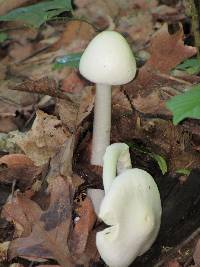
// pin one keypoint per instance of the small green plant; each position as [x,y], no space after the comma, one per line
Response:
[186,105]
[191,66]
[3,37]
[158,158]
[37,14]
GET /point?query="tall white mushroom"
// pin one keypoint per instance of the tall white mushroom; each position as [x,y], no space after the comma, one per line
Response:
[107,60]
[131,207]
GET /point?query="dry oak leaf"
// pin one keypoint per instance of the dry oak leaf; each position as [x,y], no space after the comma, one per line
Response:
[44,139]
[153,82]
[49,228]
[19,168]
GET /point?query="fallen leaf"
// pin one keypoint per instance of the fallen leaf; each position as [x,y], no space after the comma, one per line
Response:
[173,263]
[75,36]
[196,255]
[49,228]
[85,221]
[168,50]
[20,168]
[3,251]
[73,83]
[153,86]
[44,139]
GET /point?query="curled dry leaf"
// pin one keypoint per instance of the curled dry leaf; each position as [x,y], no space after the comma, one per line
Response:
[44,139]
[19,168]
[48,230]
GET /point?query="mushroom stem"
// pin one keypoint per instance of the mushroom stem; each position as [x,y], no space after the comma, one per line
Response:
[116,160]
[102,123]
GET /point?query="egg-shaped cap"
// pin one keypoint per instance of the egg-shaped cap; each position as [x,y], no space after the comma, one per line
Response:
[108,59]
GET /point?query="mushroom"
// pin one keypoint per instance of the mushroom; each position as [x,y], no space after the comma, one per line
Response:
[131,208]
[107,60]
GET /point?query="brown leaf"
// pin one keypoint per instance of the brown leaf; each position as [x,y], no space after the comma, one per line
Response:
[152,86]
[44,139]
[49,228]
[86,219]
[172,263]
[4,250]
[196,255]
[73,83]
[168,50]
[20,168]
[76,35]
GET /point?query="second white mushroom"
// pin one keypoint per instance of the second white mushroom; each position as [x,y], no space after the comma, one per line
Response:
[131,207]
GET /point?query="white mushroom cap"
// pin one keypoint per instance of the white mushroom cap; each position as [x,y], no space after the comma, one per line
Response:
[108,59]
[132,208]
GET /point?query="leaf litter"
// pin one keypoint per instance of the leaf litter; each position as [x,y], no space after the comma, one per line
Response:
[57,138]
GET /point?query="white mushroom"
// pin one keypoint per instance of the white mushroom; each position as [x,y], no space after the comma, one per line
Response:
[107,60]
[132,209]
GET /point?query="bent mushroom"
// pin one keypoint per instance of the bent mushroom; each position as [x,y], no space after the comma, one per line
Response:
[107,60]
[132,209]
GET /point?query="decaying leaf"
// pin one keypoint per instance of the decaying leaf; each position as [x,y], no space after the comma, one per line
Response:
[85,221]
[152,86]
[168,50]
[196,255]
[19,168]
[3,251]
[44,139]
[49,229]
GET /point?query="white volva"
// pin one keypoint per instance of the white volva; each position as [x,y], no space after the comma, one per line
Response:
[107,60]
[132,208]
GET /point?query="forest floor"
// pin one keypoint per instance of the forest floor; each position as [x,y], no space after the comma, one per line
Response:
[46,116]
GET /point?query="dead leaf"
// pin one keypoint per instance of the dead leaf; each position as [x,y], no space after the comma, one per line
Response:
[173,263]
[61,162]
[4,251]
[73,83]
[83,225]
[98,12]
[49,228]
[20,168]
[76,36]
[196,255]
[168,50]
[44,139]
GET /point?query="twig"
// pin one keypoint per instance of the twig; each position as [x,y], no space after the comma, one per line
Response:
[44,86]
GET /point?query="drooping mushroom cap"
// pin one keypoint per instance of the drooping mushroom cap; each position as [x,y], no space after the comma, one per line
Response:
[132,208]
[108,59]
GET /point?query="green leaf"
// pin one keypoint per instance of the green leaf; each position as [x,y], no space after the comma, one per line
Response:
[3,37]
[35,15]
[183,171]
[186,105]
[161,162]
[191,66]
[71,60]
[159,159]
